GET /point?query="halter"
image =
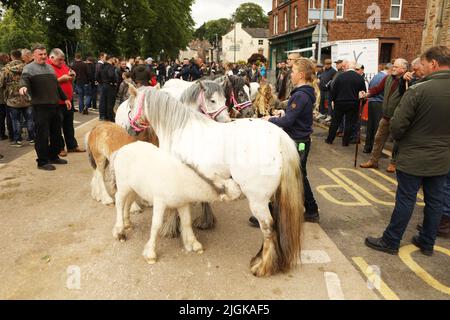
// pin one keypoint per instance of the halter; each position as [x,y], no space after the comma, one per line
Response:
[239,106]
[138,123]
[202,104]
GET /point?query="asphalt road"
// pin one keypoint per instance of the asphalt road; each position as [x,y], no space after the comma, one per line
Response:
[57,242]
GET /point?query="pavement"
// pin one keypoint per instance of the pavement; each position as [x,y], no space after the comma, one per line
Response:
[57,242]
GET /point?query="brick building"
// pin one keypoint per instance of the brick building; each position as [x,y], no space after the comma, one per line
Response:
[437,24]
[398,24]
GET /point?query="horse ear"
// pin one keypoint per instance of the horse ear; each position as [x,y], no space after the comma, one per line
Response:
[132,90]
[202,85]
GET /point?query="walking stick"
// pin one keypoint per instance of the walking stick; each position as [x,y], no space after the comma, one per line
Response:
[358,136]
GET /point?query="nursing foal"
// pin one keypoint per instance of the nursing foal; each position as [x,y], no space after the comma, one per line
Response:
[101,142]
[142,170]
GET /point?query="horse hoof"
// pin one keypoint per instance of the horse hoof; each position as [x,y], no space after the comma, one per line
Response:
[151,261]
[197,247]
[119,235]
[128,227]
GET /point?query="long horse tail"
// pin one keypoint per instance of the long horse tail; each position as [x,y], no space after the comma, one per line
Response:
[110,176]
[89,152]
[288,206]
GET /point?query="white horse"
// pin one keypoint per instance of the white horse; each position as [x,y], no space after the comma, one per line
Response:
[142,170]
[264,169]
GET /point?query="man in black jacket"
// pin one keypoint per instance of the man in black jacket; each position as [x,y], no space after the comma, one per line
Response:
[108,77]
[345,95]
[196,69]
[81,83]
[39,80]
[326,78]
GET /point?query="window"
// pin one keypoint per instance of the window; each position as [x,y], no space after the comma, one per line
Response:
[296,17]
[386,52]
[285,21]
[275,24]
[276,3]
[311,5]
[340,9]
[260,42]
[396,9]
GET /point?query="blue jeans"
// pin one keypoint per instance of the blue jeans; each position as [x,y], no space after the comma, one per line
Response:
[84,91]
[27,113]
[405,200]
[446,210]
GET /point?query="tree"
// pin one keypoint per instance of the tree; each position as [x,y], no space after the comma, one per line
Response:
[119,27]
[210,29]
[251,15]
[14,36]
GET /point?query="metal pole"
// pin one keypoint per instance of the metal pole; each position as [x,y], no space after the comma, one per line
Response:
[235,42]
[319,53]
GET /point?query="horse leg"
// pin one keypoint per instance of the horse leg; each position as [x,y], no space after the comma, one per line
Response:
[127,209]
[206,220]
[265,263]
[119,230]
[135,207]
[95,186]
[171,226]
[149,252]
[189,240]
[105,198]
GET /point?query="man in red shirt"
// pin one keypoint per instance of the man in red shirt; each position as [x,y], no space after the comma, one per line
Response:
[65,78]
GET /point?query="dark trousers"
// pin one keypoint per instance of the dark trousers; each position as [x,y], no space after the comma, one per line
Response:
[311,207]
[48,127]
[5,119]
[102,104]
[94,92]
[110,93]
[66,117]
[405,200]
[325,96]
[350,111]
[375,112]
[16,115]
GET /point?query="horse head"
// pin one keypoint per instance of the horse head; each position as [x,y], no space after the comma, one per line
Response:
[210,99]
[137,122]
[238,96]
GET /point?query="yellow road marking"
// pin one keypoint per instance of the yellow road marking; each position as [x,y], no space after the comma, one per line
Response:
[394,182]
[383,288]
[405,254]
[354,185]
[361,201]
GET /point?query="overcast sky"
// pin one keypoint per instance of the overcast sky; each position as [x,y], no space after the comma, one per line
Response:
[205,10]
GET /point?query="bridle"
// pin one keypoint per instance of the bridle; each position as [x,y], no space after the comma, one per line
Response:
[138,122]
[202,105]
[239,106]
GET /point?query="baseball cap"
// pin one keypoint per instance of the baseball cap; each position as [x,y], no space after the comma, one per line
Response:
[327,61]
[339,61]
[149,59]
[319,65]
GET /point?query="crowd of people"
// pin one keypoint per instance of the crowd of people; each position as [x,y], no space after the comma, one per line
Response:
[407,102]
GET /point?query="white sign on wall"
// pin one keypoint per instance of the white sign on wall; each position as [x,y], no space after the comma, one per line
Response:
[363,52]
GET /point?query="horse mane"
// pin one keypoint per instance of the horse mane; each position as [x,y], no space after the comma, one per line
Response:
[167,115]
[191,94]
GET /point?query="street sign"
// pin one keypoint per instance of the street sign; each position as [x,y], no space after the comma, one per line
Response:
[315,34]
[314,14]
